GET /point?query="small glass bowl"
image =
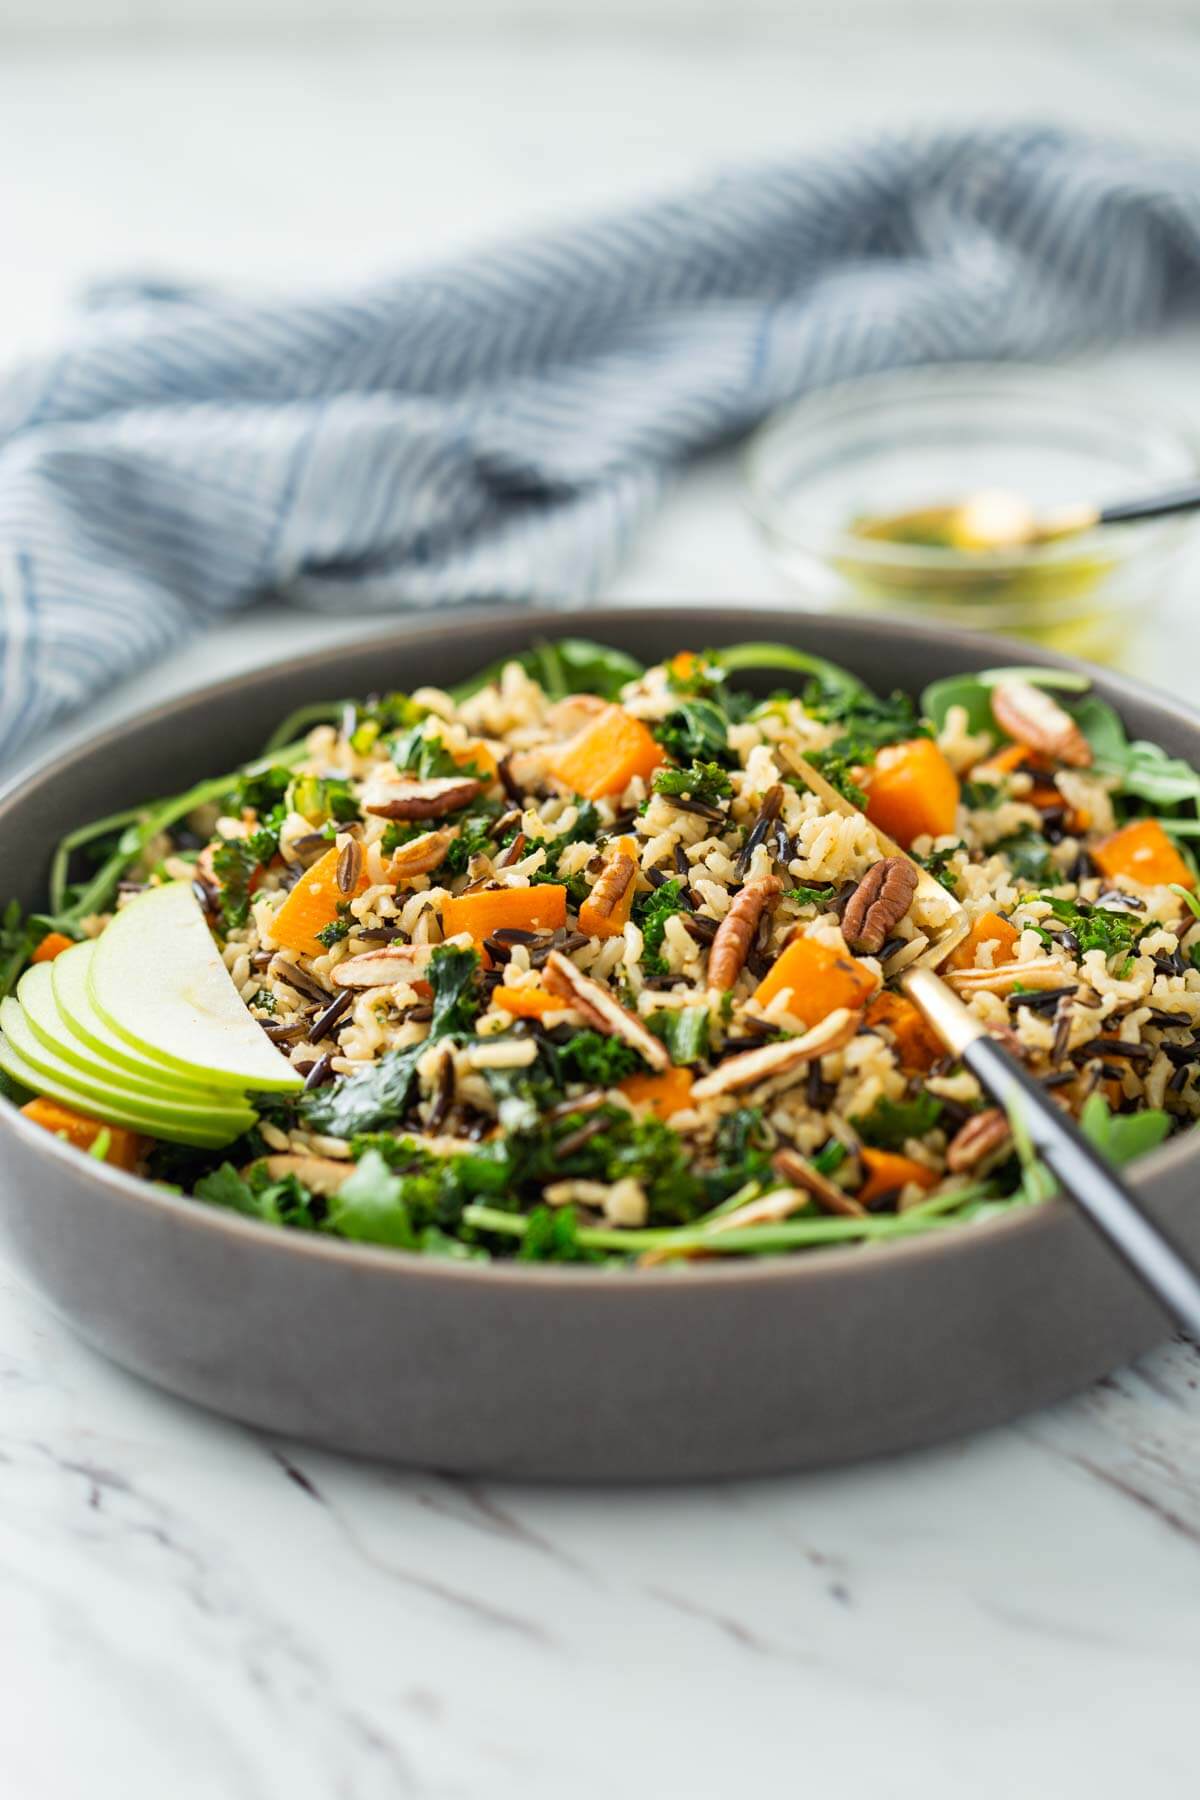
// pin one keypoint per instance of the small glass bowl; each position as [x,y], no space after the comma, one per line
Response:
[927,436]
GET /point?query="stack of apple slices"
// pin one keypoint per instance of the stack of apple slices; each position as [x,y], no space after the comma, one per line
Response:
[144,1028]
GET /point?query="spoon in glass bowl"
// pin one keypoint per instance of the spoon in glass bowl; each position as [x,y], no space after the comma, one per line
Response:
[994,520]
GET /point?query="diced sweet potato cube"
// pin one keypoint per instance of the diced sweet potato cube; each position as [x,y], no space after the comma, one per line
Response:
[821,978]
[911,791]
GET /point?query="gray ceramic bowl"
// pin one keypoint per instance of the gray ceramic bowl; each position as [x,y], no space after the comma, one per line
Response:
[723,1369]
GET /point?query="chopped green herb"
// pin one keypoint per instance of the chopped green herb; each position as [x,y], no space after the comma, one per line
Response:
[810,896]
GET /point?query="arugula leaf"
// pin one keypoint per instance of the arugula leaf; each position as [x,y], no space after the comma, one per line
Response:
[1122,1136]
[1145,770]
[651,912]
[890,1122]
[370,1207]
[830,678]
[704,781]
[684,1030]
[567,666]
[974,694]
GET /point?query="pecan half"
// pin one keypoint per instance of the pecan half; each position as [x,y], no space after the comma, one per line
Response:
[978,1140]
[1032,717]
[421,854]
[797,1170]
[600,1009]
[616,878]
[775,1060]
[735,934]
[422,799]
[879,902]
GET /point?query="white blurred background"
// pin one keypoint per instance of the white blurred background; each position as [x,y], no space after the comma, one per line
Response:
[285,143]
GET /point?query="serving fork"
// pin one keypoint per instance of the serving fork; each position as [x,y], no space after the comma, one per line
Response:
[1094,1186]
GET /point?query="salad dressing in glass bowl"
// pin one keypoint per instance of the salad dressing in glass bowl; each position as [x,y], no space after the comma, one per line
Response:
[847,487]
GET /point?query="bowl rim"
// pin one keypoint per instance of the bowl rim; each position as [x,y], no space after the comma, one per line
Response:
[185,1211]
[774,515]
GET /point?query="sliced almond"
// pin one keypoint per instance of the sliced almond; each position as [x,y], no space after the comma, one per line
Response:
[598,1006]
[319,1174]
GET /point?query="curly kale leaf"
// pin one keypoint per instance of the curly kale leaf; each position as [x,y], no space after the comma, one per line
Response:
[651,912]
[236,862]
[378,1094]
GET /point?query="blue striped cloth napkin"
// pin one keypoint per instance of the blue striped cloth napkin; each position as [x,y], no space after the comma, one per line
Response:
[494,429]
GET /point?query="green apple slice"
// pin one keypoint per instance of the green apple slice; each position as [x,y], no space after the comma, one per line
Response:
[158,981]
[93,1090]
[81,1036]
[115,1108]
[35,993]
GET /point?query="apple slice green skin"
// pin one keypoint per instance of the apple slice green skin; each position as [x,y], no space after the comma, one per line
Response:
[120,1110]
[47,1073]
[157,980]
[53,1029]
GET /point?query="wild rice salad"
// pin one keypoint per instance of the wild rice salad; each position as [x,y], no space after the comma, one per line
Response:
[577,968]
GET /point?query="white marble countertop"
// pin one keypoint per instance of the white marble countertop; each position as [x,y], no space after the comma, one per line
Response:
[193,1611]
